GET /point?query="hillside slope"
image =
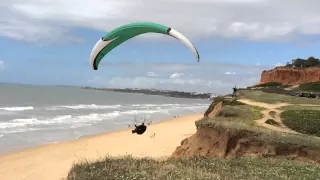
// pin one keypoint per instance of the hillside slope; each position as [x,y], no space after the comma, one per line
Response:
[227,138]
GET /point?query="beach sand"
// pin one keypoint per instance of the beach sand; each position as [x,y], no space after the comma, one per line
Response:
[52,162]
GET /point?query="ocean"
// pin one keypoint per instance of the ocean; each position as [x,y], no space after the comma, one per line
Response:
[36,115]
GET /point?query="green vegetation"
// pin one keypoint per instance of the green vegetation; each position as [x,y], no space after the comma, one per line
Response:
[230,111]
[312,86]
[275,98]
[272,122]
[300,107]
[271,84]
[197,168]
[310,62]
[279,90]
[261,133]
[303,121]
[225,101]
[244,113]
[272,114]
[245,122]
[238,119]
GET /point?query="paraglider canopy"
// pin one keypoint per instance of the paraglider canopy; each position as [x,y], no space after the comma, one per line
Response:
[127,31]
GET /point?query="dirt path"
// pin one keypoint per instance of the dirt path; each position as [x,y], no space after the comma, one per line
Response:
[266,115]
[292,87]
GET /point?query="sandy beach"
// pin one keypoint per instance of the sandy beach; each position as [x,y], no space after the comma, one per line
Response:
[52,162]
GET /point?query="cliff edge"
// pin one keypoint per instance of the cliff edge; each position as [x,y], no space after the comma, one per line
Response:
[291,75]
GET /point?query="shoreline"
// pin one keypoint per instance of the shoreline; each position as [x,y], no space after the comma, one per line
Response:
[53,161]
[92,136]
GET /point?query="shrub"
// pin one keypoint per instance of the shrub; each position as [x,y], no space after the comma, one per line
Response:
[269,84]
[272,122]
[312,86]
[304,121]
[230,111]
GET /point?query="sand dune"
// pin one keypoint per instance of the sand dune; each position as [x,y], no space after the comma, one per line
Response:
[52,162]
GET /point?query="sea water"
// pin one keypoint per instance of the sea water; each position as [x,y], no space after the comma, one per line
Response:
[35,115]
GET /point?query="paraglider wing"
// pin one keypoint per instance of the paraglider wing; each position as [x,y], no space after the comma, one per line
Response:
[128,31]
[182,38]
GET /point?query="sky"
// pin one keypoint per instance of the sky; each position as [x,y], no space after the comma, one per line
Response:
[49,42]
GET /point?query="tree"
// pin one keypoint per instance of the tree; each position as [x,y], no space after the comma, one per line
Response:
[311,61]
[288,64]
[298,62]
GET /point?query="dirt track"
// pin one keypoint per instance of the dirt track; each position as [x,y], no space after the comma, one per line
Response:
[266,115]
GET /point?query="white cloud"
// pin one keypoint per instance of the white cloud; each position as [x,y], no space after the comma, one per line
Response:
[278,64]
[152,74]
[176,75]
[206,77]
[38,20]
[1,64]
[229,73]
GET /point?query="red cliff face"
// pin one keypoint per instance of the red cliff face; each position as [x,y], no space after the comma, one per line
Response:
[291,76]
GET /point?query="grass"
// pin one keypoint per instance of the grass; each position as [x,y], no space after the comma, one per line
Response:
[238,119]
[272,122]
[279,90]
[272,114]
[299,107]
[243,113]
[196,168]
[271,84]
[225,101]
[305,121]
[261,133]
[312,87]
[273,98]
[245,122]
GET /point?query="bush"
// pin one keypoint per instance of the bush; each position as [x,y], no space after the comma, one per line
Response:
[269,84]
[272,122]
[312,86]
[310,62]
[303,121]
[230,111]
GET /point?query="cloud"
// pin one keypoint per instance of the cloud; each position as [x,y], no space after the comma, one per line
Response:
[176,75]
[207,77]
[38,20]
[1,64]
[278,64]
[152,74]
[229,73]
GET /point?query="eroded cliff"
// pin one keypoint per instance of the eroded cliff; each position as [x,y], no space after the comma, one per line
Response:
[291,76]
[211,142]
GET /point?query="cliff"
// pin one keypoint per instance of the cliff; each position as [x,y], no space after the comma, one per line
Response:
[211,142]
[291,75]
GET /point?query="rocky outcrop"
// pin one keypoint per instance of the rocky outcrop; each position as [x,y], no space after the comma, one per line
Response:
[291,76]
